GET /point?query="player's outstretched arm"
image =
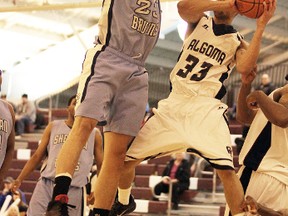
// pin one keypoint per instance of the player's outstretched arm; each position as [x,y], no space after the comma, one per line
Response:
[35,159]
[243,113]
[246,61]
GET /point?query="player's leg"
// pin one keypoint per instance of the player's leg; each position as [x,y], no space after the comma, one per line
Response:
[113,164]
[124,203]
[40,197]
[143,146]
[233,190]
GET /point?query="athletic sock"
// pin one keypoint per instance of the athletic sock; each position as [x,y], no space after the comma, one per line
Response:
[124,195]
[62,184]
[101,212]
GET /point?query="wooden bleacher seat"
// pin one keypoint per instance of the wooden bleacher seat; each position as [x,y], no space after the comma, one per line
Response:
[30,128]
[145,169]
[34,176]
[33,145]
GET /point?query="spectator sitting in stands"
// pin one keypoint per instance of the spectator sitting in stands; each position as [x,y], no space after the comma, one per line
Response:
[25,115]
[22,207]
[7,191]
[178,170]
[266,85]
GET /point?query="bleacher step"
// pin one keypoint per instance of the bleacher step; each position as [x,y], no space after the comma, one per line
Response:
[197,210]
[209,198]
[147,207]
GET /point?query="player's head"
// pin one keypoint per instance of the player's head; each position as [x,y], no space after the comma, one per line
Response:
[225,16]
[24,98]
[179,156]
[71,105]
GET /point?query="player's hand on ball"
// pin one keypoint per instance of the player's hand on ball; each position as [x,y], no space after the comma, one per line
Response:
[269,9]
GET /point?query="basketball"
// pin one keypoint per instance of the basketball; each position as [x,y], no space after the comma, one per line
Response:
[250,8]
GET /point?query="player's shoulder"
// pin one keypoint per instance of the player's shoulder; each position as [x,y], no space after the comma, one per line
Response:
[8,106]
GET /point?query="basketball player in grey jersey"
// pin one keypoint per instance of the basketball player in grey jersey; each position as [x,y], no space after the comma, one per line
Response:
[51,142]
[7,135]
[112,87]
[192,118]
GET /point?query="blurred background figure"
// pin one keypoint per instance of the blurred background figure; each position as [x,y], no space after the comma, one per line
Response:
[266,85]
[178,171]
[25,114]
[7,190]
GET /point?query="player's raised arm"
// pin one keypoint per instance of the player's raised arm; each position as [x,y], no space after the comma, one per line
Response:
[246,58]
[191,11]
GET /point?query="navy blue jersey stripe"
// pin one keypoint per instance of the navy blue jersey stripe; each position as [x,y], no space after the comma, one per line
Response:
[259,148]
[221,93]
[110,16]
[91,73]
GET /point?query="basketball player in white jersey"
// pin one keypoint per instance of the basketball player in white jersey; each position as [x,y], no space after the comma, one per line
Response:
[7,135]
[192,118]
[264,170]
[113,86]
[51,142]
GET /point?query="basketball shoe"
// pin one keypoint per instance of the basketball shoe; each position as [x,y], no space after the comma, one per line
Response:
[58,206]
[120,209]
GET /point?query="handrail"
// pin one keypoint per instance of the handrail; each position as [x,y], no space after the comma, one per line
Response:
[169,195]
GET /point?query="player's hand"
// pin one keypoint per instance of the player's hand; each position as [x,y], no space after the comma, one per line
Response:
[248,78]
[250,205]
[251,101]
[90,198]
[232,6]
[269,9]
[15,185]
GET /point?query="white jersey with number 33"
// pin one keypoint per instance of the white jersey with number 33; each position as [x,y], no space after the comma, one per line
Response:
[206,60]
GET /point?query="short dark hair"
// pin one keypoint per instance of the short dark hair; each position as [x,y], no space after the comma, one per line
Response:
[70,99]
[25,96]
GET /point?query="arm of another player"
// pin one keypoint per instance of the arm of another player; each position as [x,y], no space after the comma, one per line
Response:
[98,150]
[257,208]
[275,111]
[10,148]
[36,158]
[192,10]
[243,113]
[247,55]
